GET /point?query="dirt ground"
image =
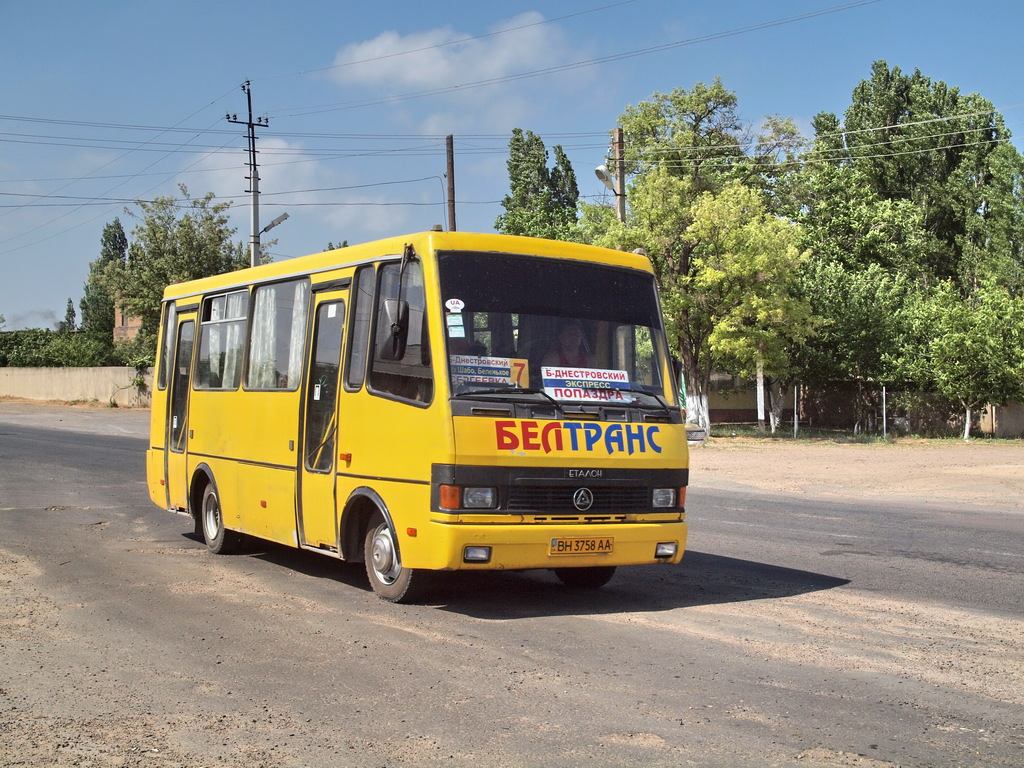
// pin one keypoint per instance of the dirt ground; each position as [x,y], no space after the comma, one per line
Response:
[841,634]
[977,472]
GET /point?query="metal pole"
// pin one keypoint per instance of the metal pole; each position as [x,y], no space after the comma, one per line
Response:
[796,411]
[450,144]
[254,183]
[884,419]
[620,175]
[254,175]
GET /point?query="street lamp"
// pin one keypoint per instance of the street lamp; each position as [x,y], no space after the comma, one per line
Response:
[616,181]
[274,223]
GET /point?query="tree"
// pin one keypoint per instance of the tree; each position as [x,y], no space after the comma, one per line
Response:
[857,335]
[69,323]
[683,150]
[913,140]
[170,247]
[741,310]
[97,302]
[543,202]
[971,352]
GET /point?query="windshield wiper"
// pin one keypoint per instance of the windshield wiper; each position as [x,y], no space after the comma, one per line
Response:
[509,390]
[661,403]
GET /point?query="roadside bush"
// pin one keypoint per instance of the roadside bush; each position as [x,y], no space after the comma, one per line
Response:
[41,348]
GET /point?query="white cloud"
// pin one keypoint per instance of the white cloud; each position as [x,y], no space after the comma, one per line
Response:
[432,59]
[397,65]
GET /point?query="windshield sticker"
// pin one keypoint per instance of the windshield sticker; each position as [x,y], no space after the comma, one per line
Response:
[455,305]
[453,320]
[488,370]
[567,383]
[457,332]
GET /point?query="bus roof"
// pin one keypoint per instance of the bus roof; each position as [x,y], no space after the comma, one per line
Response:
[421,242]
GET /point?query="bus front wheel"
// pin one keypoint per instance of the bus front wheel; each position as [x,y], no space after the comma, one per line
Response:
[388,577]
[219,539]
[586,578]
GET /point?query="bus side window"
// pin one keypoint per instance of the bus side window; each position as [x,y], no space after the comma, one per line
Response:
[276,343]
[412,377]
[167,348]
[359,335]
[222,341]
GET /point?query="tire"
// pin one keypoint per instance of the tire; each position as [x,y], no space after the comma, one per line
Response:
[388,577]
[211,519]
[586,578]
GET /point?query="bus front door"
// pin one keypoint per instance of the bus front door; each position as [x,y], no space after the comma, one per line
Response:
[176,449]
[317,518]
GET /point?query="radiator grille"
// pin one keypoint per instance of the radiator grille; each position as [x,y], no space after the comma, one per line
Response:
[549,498]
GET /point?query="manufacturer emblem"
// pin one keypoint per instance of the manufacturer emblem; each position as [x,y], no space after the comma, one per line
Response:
[583,499]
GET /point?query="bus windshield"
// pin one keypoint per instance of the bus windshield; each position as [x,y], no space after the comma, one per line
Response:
[573,331]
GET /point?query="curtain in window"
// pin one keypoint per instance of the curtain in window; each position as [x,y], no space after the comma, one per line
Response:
[261,348]
[235,339]
[296,347]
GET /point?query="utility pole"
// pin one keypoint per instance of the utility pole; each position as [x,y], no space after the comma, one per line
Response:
[254,174]
[620,174]
[450,144]
[616,180]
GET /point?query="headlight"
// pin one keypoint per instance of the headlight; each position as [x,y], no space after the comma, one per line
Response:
[476,555]
[665,549]
[479,498]
[664,497]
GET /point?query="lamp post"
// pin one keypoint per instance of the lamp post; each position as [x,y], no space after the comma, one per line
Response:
[256,255]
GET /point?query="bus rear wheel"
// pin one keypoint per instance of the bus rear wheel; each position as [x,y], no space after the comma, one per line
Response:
[389,578]
[586,578]
[219,539]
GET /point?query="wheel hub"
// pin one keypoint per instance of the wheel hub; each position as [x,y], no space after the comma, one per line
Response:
[382,552]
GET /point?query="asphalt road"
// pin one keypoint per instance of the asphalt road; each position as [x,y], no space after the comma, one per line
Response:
[795,632]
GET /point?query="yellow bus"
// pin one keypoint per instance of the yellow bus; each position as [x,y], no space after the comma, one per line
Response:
[442,401]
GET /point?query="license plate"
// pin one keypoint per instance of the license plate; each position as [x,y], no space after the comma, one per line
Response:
[589,545]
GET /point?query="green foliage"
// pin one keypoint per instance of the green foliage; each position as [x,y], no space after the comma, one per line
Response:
[858,311]
[42,348]
[706,213]
[968,351]
[139,352]
[543,201]
[97,302]
[69,323]
[742,287]
[170,247]
[911,140]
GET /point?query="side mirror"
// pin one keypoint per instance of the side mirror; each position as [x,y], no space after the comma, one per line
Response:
[394,319]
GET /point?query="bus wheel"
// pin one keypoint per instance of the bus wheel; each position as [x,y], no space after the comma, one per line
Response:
[389,579]
[586,578]
[220,540]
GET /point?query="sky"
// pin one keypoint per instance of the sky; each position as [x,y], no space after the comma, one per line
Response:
[103,103]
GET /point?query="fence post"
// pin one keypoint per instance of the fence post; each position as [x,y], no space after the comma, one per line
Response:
[884,432]
[796,411]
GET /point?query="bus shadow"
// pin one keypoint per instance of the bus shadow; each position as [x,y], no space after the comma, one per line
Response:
[701,579]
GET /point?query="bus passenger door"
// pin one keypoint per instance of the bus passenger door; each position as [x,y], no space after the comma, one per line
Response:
[176,448]
[317,517]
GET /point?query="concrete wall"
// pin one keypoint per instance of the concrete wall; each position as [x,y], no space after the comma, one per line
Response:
[1004,420]
[105,385]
